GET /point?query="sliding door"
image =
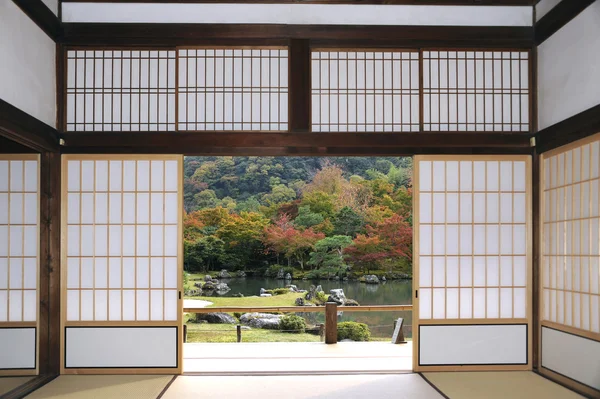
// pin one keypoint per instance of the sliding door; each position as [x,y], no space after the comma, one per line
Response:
[122,264]
[19,263]
[472,264]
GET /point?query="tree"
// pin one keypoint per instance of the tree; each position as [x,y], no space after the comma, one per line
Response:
[320,202]
[328,180]
[329,252]
[203,254]
[283,238]
[279,193]
[206,199]
[347,222]
[306,218]
[366,252]
[243,236]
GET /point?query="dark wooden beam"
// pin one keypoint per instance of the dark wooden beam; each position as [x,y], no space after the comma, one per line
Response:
[258,143]
[127,34]
[299,85]
[354,2]
[25,389]
[26,130]
[558,17]
[49,292]
[42,16]
[10,147]
[572,129]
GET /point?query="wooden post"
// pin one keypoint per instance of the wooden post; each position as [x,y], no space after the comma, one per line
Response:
[184,333]
[322,331]
[331,323]
[239,333]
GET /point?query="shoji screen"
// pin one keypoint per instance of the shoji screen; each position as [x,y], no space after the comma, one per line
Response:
[365,91]
[19,263]
[570,282]
[122,263]
[476,90]
[473,262]
[233,89]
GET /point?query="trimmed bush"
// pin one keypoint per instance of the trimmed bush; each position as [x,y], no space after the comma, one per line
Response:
[292,324]
[281,291]
[354,331]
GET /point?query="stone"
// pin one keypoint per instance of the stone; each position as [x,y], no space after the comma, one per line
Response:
[351,302]
[371,279]
[238,295]
[383,278]
[224,274]
[336,278]
[216,318]
[347,340]
[208,286]
[288,276]
[292,287]
[337,296]
[198,285]
[262,291]
[214,281]
[222,287]
[319,288]
[208,278]
[299,301]
[265,295]
[261,320]
[241,273]
[345,279]
[280,274]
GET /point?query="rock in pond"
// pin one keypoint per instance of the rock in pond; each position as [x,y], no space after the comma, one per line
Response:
[280,274]
[241,273]
[292,287]
[224,274]
[337,296]
[351,302]
[261,320]
[262,291]
[208,286]
[371,279]
[216,318]
[319,288]
[288,276]
[208,278]
[222,287]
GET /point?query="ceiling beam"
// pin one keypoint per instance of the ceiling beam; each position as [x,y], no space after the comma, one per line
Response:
[43,17]
[270,143]
[24,129]
[575,128]
[134,34]
[558,17]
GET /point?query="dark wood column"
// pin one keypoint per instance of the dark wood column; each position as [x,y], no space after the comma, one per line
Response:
[299,85]
[49,304]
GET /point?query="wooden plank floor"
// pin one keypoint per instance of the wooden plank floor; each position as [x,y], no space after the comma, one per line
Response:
[297,358]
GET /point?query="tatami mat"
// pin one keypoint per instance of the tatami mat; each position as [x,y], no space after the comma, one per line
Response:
[397,386]
[7,384]
[103,387]
[498,385]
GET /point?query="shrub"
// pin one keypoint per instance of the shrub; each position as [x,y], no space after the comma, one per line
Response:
[281,291]
[320,298]
[354,331]
[292,323]
[237,315]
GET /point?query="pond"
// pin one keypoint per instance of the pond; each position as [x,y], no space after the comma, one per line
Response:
[395,292]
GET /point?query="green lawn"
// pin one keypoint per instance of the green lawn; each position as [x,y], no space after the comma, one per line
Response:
[215,333]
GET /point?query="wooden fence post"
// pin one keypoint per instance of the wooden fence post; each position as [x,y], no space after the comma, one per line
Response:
[322,331]
[331,323]
[239,333]
[184,333]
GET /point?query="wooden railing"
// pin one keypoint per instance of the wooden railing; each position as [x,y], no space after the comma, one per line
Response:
[331,309]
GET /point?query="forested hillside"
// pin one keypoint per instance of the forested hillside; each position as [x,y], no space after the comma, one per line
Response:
[321,216]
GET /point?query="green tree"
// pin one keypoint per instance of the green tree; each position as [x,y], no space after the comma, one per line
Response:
[306,218]
[279,193]
[243,236]
[347,222]
[320,202]
[203,254]
[206,199]
[329,252]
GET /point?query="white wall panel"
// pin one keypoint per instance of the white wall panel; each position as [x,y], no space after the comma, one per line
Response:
[27,70]
[298,14]
[472,345]
[17,346]
[575,357]
[121,347]
[52,5]
[569,69]
[544,7]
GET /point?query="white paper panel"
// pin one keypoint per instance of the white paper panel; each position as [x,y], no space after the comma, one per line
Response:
[575,357]
[121,347]
[481,344]
[18,348]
